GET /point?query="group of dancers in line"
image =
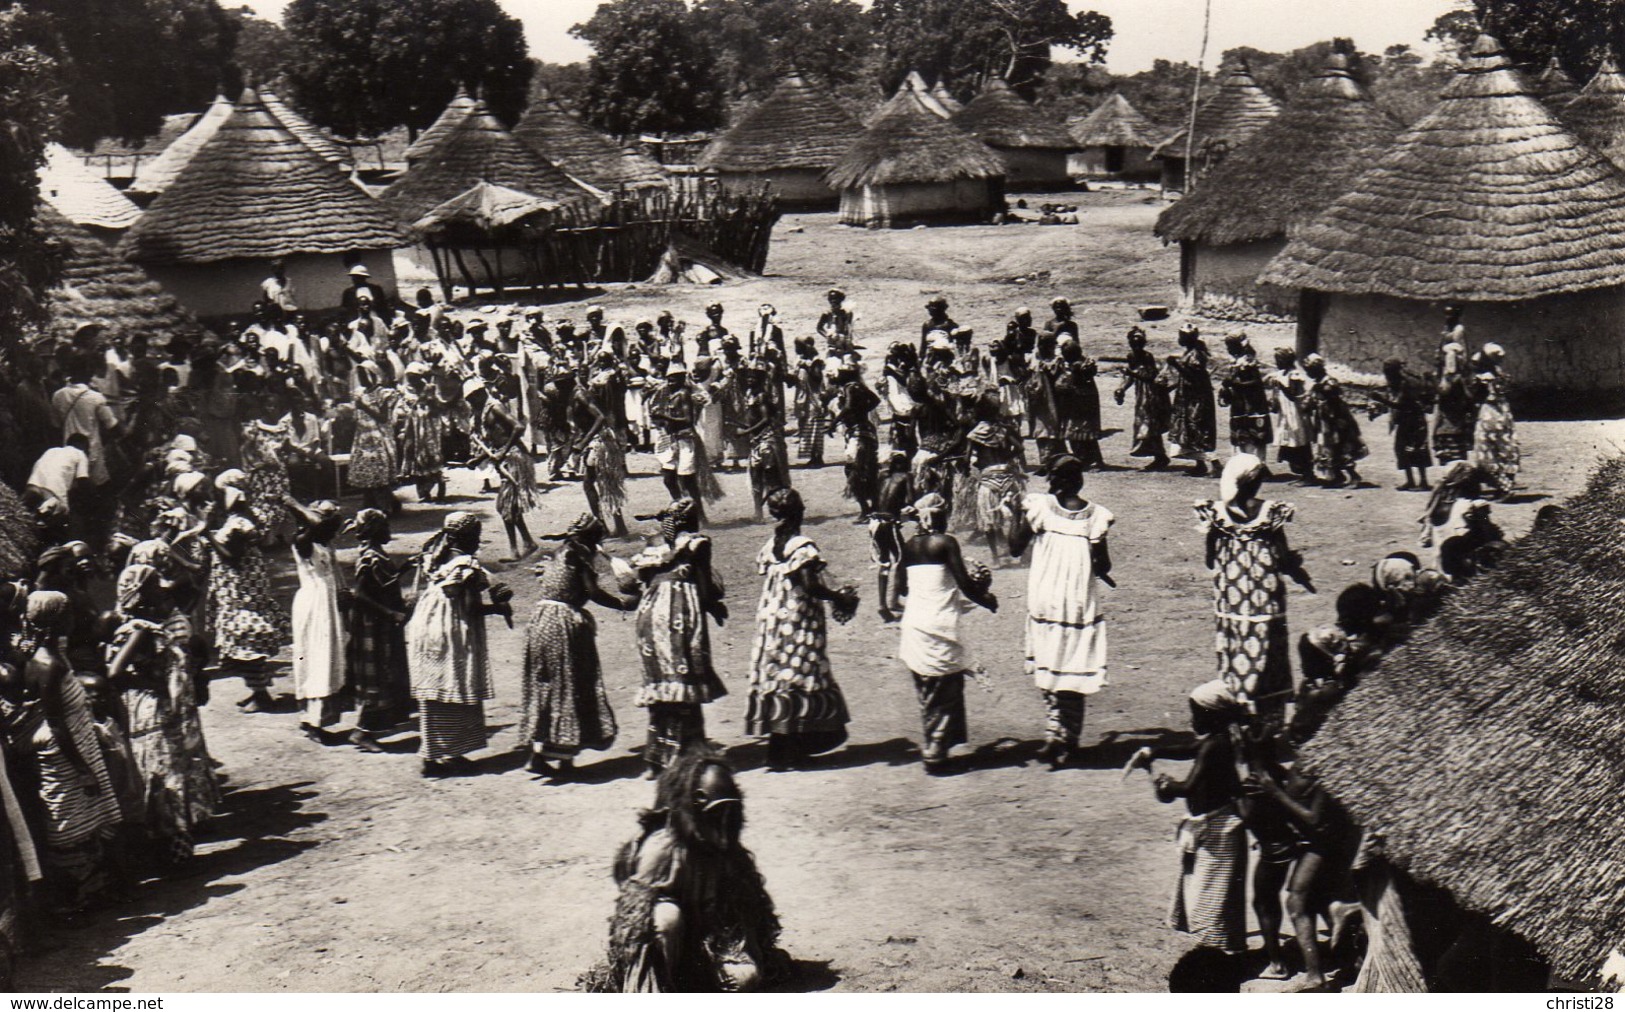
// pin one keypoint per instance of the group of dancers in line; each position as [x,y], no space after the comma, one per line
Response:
[101,704]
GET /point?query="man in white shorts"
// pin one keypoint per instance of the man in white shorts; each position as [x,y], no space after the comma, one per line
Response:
[674,409]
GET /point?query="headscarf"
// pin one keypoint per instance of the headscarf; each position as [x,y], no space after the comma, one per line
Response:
[51,556]
[324,509]
[231,478]
[928,507]
[1389,574]
[1493,350]
[439,547]
[188,482]
[132,583]
[183,442]
[46,607]
[177,462]
[1240,470]
[1215,696]
[369,524]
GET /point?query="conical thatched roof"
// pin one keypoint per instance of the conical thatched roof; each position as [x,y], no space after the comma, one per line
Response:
[916,82]
[1291,169]
[1487,197]
[1002,119]
[479,149]
[1554,85]
[945,98]
[908,143]
[255,190]
[1484,752]
[99,286]
[454,113]
[313,136]
[796,127]
[81,194]
[1597,113]
[1115,123]
[156,175]
[1230,115]
[554,133]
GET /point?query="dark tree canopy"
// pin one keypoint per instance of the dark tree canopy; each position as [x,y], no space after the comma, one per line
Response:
[30,108]
[965,43]
[366,66]
[199,40]
[111,65]
[650,70]
[1578,32]
[263,49]
[757,41]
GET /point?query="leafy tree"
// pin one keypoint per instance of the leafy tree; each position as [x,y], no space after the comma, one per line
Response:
[363,67]
[110,63]
[756,41]
[1578,32]
[198,40]
[964,43]
[30,108]
[1162,93]
[263,49]
[650,70]
[1406,85]
[565,83]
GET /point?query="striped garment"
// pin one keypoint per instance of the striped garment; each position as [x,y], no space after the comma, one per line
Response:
[1210,897]
[450,729]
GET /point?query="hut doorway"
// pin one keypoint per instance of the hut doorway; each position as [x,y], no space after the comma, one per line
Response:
[1115,157]
[1311,308]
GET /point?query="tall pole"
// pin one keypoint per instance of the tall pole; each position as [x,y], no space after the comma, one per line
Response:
[1196,95]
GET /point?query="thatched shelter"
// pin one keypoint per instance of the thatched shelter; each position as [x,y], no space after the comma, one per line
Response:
[156,175]
[1033,146]
[916,82]
[455,112]
[1233,113]
[1554,86]
[253,194]
[788,142]
[1488,202]
[99,286]
[557,135]
[912,165]
[83,195]
[945,98]
[1484,752]
[1597,113]
[1114,142]
[1241,216]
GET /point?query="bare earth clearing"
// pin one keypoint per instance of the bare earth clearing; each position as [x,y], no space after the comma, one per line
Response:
[334,871]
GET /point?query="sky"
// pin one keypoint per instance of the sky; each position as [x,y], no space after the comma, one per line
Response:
[1145,29]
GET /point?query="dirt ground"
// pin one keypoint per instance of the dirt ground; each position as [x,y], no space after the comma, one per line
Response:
[331,870]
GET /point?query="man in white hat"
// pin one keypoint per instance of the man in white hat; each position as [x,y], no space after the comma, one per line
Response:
[361,285]
[675,411]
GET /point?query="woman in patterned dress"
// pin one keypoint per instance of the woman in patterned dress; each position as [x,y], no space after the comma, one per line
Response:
[1150,401]
[422,426]
[500,437]
[446,649]
[373,467]
[46,717]
[1495,440]
[265,442]
[1066,632]
[565,708]
[1338,443]
[249,625]
[1248,553]
[680,590]
[794,700]
[375,653]
[1457,411]
[1194,423]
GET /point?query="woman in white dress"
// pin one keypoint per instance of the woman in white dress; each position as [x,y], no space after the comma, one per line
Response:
[939,588]
[318,627]
[1066,632]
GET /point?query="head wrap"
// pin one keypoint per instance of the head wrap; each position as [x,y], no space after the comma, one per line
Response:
[132,583]
[51,556]
[1493,350]
[188,482]
[1387,574]
[443,542]
[46,607]
[324,509]
[472,386]
[183,442]
[368,524]
[231,478]
[1214,695]
[1312,359]
[1240,470]
[177,462]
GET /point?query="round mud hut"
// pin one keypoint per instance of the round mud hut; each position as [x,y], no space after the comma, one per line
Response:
[1236,111]
[1229,228]
[788,142]
[1481,759]
[912,166]
[457,110]
[1114,141]
[1033,146]
[553,132]
[1597,113]
[1489,203]
[254,194]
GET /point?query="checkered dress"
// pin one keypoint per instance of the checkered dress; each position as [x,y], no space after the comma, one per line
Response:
[1249,596]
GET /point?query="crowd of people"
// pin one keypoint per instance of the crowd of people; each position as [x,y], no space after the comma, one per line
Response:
[179,473]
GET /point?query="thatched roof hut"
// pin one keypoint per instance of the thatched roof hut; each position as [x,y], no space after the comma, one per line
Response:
[1597,113]
[1462,209]
[83,195]
[99,286]
[912,165]
[916,83]
[1233,113]
[455,112]
[788,141]
[313,136]
[480,149]
[945,98]
[1275,182]
[155,176]
[557,135]
[1114,140]
[1554,86]
[255,193]
[1034,147]
[1484,752]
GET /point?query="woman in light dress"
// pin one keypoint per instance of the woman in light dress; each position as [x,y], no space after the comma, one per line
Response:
[318,626]
[938,587]
[1066,629]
